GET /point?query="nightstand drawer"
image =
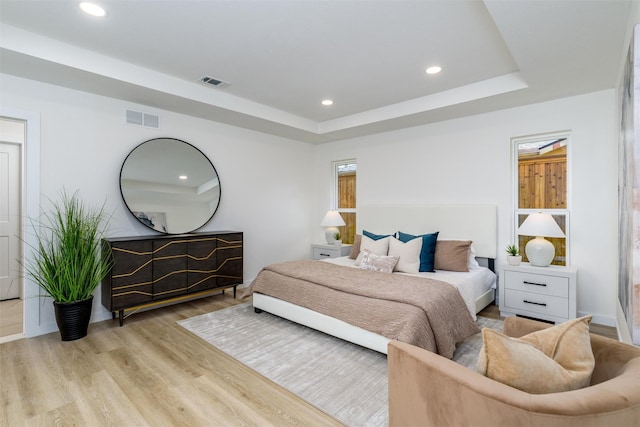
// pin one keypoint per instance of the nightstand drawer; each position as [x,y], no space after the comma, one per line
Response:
[537,283]
[321,253]
[536,303]
[547,293]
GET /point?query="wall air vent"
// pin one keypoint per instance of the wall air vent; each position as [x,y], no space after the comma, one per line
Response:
[139,118]
[214,82]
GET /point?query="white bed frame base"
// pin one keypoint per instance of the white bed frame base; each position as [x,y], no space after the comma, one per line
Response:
[485,299]
[321,322]
[472,222]
[335,327]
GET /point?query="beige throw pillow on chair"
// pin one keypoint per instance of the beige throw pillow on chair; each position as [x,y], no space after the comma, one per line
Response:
[551,360]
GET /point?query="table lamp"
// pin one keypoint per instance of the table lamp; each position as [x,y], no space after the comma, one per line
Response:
[540,251]
[332,220]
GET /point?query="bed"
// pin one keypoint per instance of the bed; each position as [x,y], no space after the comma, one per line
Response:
[414,308]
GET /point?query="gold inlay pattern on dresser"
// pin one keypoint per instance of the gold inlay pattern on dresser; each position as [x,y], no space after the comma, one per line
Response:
[178,272]
[173,242]
[117,276]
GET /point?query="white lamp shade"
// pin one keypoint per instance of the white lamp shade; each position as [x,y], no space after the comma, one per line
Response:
[540,251]
[332,220]
[540,225]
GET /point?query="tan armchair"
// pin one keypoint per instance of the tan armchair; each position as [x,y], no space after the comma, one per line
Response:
[429,390]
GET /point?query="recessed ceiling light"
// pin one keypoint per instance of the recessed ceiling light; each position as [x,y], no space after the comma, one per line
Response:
[183,177]
[434,70]
[327,102]
[92,9]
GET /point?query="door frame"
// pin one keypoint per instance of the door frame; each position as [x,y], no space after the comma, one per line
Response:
[30,197]
[11,148]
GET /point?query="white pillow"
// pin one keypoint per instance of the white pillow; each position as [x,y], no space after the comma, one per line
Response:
[473,262]
[408,254]
[378,247]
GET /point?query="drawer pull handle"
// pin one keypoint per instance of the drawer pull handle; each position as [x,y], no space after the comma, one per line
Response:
[534,283]
[536,303]
[321,254]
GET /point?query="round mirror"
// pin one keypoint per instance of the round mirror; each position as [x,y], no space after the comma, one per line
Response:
[170,186]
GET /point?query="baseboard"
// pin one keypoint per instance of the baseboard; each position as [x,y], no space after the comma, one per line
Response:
[42,329]
[9,338]
[600,319]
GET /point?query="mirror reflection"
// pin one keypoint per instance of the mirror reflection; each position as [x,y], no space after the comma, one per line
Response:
[170,186]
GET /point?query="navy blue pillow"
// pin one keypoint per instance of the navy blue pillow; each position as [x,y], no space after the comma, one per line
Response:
[428,251]
[376,236]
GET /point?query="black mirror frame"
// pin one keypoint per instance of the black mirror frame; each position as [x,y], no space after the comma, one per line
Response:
[191,146]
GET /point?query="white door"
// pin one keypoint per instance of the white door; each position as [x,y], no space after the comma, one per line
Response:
[10,214]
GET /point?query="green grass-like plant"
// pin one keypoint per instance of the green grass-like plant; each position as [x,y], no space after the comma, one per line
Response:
[512,250]
[68,263]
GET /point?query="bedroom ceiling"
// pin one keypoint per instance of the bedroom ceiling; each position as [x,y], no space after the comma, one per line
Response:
[282,58]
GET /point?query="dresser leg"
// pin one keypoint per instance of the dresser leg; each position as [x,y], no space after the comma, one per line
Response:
[121,316]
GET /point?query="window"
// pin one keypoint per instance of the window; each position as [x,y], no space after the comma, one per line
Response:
[344,191]
[541,185]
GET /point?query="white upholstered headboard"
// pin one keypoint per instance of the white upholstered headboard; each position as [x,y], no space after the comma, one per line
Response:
[469,222]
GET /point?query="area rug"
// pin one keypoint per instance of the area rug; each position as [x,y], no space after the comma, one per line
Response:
[345,380]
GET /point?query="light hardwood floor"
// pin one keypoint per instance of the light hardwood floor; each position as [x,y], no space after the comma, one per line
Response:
[151,372]
[11,317]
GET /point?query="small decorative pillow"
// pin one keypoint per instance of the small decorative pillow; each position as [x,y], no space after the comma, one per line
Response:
[452,255]
[551,360]
[408,255]
[371,261]
[427,254]
[355,248]
[378,247]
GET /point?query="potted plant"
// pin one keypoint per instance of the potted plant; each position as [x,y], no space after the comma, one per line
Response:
[513,256]
[68,263]
[338,239]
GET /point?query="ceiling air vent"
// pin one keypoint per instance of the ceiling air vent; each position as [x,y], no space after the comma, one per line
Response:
[214,82]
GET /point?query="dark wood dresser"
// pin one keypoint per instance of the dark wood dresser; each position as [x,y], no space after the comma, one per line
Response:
[154,270]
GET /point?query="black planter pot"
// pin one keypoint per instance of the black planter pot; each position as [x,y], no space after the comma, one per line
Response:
[73,318]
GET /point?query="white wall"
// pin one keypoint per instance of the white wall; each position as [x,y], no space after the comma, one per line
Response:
[468,160]
[265,179]
[277,190]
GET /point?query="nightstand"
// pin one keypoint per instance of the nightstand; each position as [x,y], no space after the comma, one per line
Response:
[322,251]
[547,293]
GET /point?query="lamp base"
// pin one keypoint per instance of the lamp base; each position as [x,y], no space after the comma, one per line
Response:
[330,235]
[540,252]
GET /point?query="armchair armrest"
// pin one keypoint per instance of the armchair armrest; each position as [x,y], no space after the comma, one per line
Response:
[426,389]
